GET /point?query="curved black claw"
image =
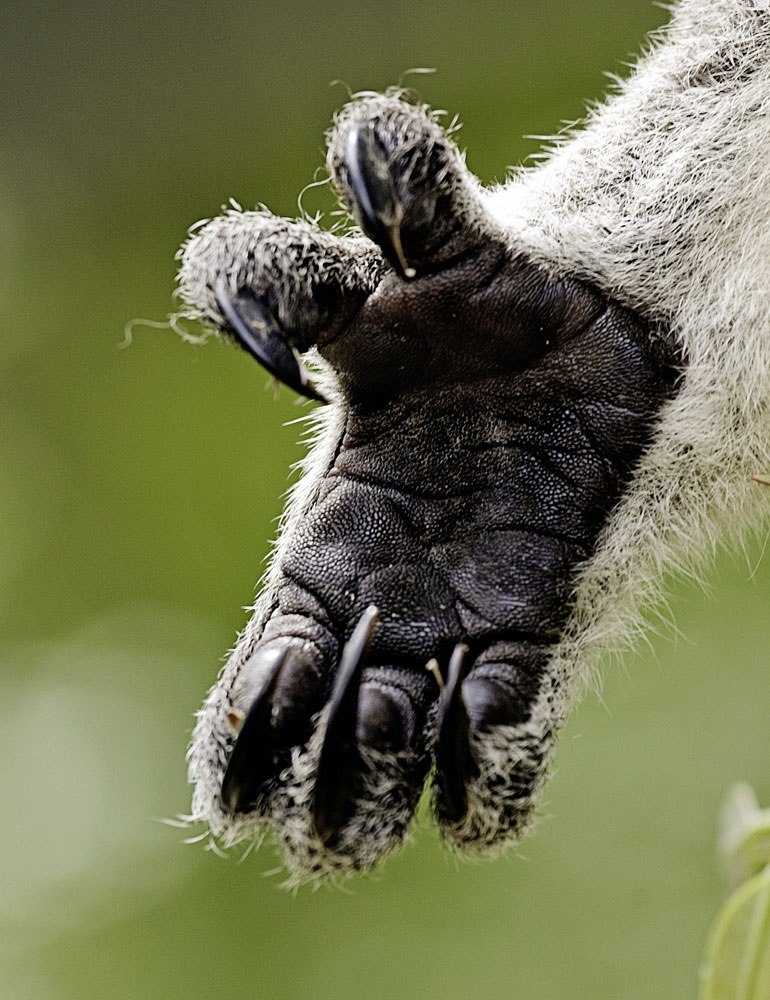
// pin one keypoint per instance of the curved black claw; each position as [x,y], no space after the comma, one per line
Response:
[339,760]
[455,765]
[251,762]
[376,206]
[259,332]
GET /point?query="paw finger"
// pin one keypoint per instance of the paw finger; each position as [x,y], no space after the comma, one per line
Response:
[276,286]
[405,183]
[350,796]
[495,732]
[271,706]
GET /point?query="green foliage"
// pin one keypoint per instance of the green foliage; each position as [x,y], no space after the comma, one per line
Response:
[736,965]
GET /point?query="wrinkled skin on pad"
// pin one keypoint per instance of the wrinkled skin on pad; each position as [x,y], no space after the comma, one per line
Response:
[486,416]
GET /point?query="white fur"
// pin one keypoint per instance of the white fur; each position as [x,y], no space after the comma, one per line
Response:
[663,200]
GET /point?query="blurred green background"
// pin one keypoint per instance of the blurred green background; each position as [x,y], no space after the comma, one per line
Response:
[139,488]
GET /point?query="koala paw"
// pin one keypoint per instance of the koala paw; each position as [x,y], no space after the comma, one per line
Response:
[488,415]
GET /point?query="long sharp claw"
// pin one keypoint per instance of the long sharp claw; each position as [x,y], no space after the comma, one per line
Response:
[339,760]
[455,765]
[251,761]
[376,205]
[258,332]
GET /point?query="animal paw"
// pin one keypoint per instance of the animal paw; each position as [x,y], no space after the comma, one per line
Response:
[486,416]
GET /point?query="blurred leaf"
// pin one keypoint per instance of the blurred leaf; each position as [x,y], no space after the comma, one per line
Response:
[737,961]
[744,839]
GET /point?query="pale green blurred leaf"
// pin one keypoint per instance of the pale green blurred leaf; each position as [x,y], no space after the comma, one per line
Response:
[744,838]
[737,961]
